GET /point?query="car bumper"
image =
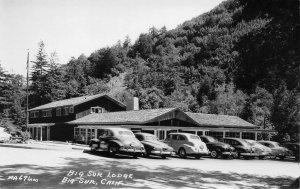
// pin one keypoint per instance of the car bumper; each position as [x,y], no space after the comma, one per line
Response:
[199,153]
[229,153]
[159,153]
[131,150]
[249,154]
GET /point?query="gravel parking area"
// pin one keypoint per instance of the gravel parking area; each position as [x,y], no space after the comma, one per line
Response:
[52,168]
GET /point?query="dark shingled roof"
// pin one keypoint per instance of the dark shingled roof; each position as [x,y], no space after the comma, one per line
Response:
[219,120]
[74,102]
[123,117]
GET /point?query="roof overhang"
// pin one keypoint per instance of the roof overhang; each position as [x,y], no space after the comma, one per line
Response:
[41,124]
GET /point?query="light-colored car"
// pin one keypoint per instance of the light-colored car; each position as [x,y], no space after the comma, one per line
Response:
[4,136]
[185,144]
[277,149]
[261,150]
[117,141]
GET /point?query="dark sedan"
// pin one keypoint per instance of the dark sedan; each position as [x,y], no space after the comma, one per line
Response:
[117,141]
[217,148]
[294,148]
[153,146]
[242,147]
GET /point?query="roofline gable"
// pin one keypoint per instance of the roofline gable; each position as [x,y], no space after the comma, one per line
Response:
[78,103]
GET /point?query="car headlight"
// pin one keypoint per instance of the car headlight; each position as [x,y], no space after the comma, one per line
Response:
[132,145]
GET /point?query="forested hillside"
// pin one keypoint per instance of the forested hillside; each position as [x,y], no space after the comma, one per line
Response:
[241,58]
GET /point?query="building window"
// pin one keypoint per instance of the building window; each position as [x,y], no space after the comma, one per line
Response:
[71,110]
[47,113]
[215,134]
[34,114]
[248,135]
[96,110]
[65,111]
[58,111]
[31,114]
[233,134]
[199,133]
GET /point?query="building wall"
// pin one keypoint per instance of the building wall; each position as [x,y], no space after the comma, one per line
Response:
[62,132]
[107,105]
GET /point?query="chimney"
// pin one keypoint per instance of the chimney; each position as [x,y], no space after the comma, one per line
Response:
[132,104]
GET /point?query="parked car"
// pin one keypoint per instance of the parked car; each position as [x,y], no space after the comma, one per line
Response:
[261,150]
[4,136]
[153,146]
[217,148]
[294,148]
[186,144]
[277,149]
[117,141]
[242,147]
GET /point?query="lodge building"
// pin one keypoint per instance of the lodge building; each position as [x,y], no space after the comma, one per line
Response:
[81,119]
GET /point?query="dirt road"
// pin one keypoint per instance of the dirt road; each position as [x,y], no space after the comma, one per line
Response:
[36,168]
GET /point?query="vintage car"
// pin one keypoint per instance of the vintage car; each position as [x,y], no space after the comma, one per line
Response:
[186,144]
[153,146]
[117,141]
[277,149]
[217,148]
[4,136]
[260,149]
[294,148]
[242,147]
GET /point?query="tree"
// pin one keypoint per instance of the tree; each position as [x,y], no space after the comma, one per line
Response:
[286,113]
[39,92]
[258,108]
[4,90]
[143,46]
[229,101]
[55,78]
[151,98]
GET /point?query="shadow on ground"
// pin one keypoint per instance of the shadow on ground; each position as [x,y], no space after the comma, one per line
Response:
[142,177]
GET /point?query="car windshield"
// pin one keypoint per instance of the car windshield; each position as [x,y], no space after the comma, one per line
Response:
[150,138]
[251,143]
[126,133]
[276,144]
[243,142]
[212,139]
[195,137]
[254,143]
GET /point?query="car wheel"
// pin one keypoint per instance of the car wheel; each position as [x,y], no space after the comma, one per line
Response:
[135,155]
[261,157]
[182,153]
[239,156]
[214,154]
[112,150]
[281,157]
[146,155]
[93,150]
[163,157]
[198,156]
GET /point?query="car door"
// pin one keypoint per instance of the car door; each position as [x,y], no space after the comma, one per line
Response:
[104,138]
[174,142]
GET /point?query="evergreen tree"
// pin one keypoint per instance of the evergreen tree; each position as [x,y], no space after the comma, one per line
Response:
[38,88]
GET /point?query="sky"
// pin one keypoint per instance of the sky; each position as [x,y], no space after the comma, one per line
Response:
[75,27]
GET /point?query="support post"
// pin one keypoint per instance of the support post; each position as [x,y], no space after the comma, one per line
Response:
[86,135]
[41,139]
